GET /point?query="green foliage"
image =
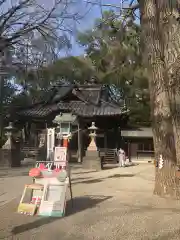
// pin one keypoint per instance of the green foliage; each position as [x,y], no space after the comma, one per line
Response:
[72,69]
[112,55]
[7,91]
[114,51]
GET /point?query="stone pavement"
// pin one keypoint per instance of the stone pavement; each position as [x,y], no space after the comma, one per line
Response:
[11,183]
[113,204]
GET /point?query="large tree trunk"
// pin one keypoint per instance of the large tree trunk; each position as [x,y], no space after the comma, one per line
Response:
[165,182]
[171,36]
[1,100]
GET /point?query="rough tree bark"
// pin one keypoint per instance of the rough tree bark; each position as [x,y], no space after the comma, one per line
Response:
[165,181]
[170,23]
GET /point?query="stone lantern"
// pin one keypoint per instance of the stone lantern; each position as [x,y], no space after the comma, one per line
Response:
[92,134]
[11,149]
[10,129]
[92,158]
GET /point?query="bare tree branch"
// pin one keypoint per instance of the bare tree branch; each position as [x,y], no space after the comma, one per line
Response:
[134,7]
[7,15]
[2,1]
[102,4]
[131,6]
[25,16]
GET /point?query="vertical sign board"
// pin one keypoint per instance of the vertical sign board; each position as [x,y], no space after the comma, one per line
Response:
[60,156]
[30,201]
[54,200]
[50,142]
[55,182]
[54,197]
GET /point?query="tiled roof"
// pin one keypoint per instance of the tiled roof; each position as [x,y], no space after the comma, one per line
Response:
[138,133]
[85,101]
[87,110]
[39,111]
[88,95]
[75,107]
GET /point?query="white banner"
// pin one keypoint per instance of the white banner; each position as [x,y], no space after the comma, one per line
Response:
[50,142]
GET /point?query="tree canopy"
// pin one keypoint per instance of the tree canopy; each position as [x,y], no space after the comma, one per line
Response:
[113,48]
[33,32]
[112,55]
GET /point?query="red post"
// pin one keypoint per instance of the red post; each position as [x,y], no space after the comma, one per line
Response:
[65,142]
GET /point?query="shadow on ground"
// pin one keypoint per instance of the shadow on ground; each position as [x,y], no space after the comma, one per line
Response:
[79,204]
[5,173]
[98,180]
[121,175]
[132,164]
[80,178]
[112,166]
[85,172]
[109,166]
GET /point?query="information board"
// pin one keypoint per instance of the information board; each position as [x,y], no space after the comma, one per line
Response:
[54,200]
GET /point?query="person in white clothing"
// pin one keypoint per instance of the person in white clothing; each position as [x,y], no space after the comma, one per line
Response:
[121,156]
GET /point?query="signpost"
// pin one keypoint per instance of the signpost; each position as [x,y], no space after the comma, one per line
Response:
[60,155]
[55,177]
[54,200]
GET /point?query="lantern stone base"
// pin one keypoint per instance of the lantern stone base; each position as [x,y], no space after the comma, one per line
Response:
[10,152]
[42,154]
[10,157]
[92,161]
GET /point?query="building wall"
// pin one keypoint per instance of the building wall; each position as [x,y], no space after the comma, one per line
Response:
[140,143]
[133,151]
[137,156]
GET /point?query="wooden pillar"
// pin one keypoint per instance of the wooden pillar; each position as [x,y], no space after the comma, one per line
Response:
[105,140]
[116,135]
[119,138]
[79,144]
[129,150]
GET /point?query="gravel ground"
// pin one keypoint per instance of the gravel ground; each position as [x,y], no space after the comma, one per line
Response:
[109,205]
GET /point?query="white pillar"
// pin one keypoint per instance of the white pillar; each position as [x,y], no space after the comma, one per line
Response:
[50,142]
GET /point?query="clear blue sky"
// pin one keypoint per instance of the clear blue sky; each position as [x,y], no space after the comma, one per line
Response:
[88,20]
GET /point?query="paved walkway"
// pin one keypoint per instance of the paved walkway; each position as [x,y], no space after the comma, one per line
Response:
[111,205]
[11,183]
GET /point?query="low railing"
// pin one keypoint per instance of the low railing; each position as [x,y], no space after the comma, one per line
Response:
[108,155]
[30,151]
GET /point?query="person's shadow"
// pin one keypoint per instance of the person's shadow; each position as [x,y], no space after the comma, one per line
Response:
[79,204]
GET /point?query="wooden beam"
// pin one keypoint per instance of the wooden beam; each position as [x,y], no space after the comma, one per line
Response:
[105,140]
[79,144]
